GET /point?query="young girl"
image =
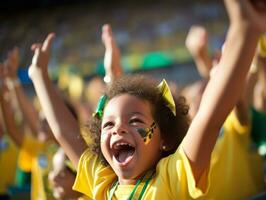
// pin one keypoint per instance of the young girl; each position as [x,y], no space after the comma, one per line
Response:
[141,127]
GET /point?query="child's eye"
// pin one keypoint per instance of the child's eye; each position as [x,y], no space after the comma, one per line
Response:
[107,124]
[135,120]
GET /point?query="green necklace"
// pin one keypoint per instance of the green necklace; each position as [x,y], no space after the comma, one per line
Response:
[111,192]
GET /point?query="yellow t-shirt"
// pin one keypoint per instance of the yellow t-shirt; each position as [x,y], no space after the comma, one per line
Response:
[8,163]
[36,157]
[28,151]
[42,164]
[236,170]
[173,179]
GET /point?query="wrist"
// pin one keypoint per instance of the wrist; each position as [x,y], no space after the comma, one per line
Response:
[35,72]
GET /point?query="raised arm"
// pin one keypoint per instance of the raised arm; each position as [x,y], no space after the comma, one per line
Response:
[197,45]
[112,63]
[263,84]
[26,106]
[8,113]
[65,128]
[260,93]
[224,89]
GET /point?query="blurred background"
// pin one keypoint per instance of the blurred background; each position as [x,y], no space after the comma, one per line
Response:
[150,34]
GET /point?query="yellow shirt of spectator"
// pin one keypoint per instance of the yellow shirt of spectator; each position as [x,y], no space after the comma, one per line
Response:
[28,151]
[8,163]
[37,157]
[236,169]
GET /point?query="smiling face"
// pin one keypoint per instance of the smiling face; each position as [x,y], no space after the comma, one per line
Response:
[121,142]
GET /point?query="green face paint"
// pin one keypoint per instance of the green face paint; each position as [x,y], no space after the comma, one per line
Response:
[147,133]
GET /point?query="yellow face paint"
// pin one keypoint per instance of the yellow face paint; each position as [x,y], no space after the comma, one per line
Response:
[147,133]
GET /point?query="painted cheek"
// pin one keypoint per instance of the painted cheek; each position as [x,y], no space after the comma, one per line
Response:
[147,133]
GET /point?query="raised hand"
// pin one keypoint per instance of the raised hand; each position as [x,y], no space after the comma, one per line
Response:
[64,126]
[247,13]
[12,62]
[112,54]
[197,40]
[41,56]
[197,45]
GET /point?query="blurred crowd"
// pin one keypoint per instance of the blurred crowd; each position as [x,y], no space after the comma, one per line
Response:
[44,131]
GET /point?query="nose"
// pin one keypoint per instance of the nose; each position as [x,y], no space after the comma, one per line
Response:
[120,128]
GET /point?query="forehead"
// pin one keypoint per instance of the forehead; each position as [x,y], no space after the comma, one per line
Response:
[127,104]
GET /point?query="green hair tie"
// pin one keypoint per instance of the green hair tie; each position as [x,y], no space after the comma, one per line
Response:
[100,106]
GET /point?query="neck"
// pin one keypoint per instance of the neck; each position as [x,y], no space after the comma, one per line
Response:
[133,181]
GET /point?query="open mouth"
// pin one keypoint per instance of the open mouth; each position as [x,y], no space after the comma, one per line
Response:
[123,152]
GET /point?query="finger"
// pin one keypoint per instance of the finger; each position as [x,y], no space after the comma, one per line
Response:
[107,28]
[36,55]
[106,33]
[48,42]
[35,46]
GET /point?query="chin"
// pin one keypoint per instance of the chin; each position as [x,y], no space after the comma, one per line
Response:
[127,175]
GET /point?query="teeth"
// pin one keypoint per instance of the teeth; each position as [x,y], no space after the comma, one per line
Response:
[117,145]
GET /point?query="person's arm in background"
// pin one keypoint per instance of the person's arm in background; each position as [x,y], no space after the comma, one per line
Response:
[255,88]
[112,62]
[64,126]
[26,106]
[1,127]
[260,88]
[224,88]
[197,45]
[262,82]
[8,113]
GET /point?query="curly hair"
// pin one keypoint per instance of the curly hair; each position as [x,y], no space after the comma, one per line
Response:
[172,128]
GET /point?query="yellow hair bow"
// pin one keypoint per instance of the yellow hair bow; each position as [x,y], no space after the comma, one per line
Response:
[167,95]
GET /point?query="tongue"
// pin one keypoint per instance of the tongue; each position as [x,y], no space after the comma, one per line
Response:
[123,155]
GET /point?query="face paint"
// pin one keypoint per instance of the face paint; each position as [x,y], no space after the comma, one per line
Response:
[147,133]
